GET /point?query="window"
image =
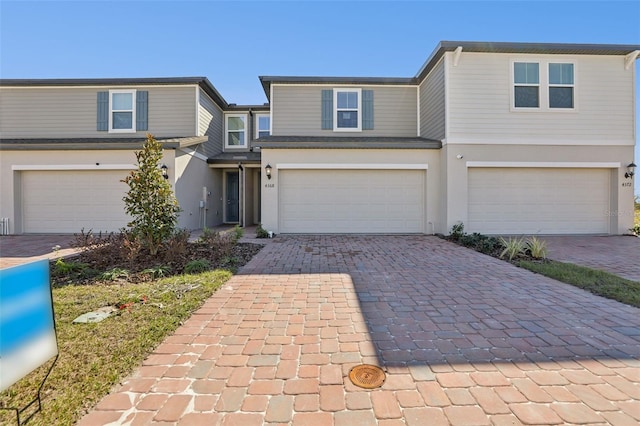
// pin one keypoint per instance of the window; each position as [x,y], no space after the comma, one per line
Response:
[235,127]
[263,125]
[348,109]
[526,79]
[560,85]
[122,112]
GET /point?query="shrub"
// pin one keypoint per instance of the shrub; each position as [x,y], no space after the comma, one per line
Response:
[62,267]
[114,274]
[536,248]
[197,266]
[457,231]
[261,232]
[238,232]
[159,271]
[150,200]
[513,247]
[635,230]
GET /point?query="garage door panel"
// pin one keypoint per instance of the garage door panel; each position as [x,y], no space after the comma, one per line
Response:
[66,201]
[351,201]
[545,201]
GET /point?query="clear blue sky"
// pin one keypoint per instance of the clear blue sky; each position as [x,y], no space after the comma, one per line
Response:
[233,42]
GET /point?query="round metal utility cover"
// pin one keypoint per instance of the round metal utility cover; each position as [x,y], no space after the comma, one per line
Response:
[367,376]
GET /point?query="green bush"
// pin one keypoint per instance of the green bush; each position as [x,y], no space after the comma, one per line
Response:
[261,232]
[513,247]
[536,248]
[150,200]
[159,271]
[457,231]
[197,266]
[238,232]
[62,267]
[114,274]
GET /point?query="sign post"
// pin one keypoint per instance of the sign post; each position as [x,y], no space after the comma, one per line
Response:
[27,326]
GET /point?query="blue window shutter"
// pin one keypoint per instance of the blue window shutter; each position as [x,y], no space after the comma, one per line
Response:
[367,110]
[142,110]
[327,110]
[103,112]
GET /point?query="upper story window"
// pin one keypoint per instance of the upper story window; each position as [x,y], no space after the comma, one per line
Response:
[560,85]
[526,79]
[543,86]
[122,111]
[348,109]
[235,131]
[263,125]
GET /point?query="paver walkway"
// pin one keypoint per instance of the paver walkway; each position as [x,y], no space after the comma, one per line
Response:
[465,339]
[19,249]
[619,255]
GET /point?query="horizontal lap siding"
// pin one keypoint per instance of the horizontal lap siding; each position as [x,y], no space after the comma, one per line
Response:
[210,123]
[297,111]
[70,112]
[432,104]
[480,99]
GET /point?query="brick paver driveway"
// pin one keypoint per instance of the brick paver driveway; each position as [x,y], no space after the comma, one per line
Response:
[465,339]
[19,249]
[619,255]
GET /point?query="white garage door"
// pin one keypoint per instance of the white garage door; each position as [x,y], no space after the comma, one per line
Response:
[352,201]
[538,200]
[65,201]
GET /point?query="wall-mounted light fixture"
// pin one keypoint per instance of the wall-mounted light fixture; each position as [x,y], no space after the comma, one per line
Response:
[267,170]
[165,171]
[631,170]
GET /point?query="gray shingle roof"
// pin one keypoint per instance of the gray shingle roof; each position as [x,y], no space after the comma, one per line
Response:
[94,143]
[347,142]
[235,157]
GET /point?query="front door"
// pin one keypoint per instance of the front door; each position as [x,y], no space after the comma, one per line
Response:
[232,213]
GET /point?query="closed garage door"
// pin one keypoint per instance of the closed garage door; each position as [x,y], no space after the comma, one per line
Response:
[538,200]
[65,201]
[351,201]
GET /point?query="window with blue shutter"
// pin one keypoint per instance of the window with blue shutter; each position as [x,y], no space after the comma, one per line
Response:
[327,110]
[142,110]
[367,110]
[103,112]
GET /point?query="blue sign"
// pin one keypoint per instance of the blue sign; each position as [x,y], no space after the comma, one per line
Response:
[27,329]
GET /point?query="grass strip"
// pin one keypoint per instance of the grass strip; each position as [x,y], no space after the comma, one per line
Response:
[95,357]
[597,282]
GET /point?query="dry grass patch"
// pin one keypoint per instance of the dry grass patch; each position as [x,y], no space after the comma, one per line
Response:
[95,357]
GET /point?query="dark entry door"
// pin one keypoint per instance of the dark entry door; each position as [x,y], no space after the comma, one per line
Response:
[233,197]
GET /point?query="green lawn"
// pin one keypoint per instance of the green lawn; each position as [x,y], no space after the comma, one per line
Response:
[95,357]
[597,282]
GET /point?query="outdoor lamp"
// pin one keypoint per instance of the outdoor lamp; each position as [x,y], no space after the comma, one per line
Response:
[630,171]
[267,170]
[165,173]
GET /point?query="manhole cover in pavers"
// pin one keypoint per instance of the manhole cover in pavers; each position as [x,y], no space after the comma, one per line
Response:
[367,376]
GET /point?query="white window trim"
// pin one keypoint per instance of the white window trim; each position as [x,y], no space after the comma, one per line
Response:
[226,131]
[257,133]
[573,86]
[513,85]
[335,110]
[543,91]
[133,111]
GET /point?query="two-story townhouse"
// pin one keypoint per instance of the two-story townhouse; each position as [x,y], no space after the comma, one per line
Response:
[66,145]
[506,138]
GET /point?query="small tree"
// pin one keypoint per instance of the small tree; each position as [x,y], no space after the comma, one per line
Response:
[150,200]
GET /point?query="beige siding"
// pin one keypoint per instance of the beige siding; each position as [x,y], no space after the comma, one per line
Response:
[210,124]
[432,104]
[479,102]
[297,111]
[71,112]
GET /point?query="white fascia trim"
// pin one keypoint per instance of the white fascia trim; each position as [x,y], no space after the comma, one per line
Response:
[418,111]
[456,55]
[341,85]
[517,141]
[193,153]
[19,167]
[630,58]
[198,106]
[103,87]
[351,166]
[545,164]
